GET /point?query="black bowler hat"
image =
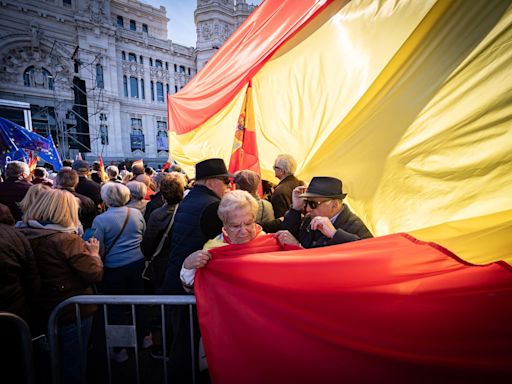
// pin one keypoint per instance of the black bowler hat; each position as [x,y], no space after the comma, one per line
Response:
[211,168]
[324,186]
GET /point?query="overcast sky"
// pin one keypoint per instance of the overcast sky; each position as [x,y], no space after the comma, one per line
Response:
[181,28]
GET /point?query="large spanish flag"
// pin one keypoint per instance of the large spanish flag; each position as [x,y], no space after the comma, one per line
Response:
[408,102]
[387,310]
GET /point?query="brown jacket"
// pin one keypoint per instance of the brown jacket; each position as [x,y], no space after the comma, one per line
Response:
[66,269]
[18,273]
[282,197]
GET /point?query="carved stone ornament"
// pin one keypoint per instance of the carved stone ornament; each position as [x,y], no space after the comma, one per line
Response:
[14,63]
[159,74]
[97,12]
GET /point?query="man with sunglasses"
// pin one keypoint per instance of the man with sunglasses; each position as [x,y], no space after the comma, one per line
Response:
[327,220]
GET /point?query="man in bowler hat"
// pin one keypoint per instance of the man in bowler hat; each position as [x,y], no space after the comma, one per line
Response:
[196,222]
[327,219]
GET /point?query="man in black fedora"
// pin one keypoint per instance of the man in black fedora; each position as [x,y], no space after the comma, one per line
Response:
[327,220]
[196,222]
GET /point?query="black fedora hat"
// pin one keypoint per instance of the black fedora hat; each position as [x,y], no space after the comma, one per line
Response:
[324,186]
[211,168]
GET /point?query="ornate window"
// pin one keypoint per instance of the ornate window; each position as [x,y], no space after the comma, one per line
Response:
[162,143]
[152,84]
[38,77]
[137,136]
[123,55]
[134,87]
[158,63]
[103,129]
[133,25]
[150,62]
[159,92]
[120,22]
[132,57]
[142,92]
[99,76]
[141,60]
[145,28]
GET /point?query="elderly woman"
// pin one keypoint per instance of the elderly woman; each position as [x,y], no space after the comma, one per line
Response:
[67,266]
[237,211]
[119,231]
[138,193]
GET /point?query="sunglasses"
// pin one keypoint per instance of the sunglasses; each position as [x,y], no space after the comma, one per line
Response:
[314,204]
[225,180]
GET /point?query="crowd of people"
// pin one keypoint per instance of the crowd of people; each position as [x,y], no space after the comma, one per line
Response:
[65,234]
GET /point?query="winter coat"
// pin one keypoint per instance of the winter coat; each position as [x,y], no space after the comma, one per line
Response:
[66,269]
[18,273]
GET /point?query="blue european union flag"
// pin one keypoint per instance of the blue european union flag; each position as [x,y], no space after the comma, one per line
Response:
[50,155]
[14,139]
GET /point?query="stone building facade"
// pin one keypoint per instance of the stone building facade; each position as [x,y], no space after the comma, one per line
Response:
[96,72]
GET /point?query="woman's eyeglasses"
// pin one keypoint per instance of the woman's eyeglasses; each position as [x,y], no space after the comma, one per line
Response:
[314,204]
[238,227]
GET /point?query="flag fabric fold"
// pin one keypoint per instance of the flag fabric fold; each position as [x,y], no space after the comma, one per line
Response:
[268,27]
[379,310]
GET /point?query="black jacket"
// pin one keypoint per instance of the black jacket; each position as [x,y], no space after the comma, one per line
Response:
[12,191]
[195,223]
[155,201]
[89,188]
[157,225]
[348,226]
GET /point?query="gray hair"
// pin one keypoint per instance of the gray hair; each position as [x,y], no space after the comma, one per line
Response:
[287,163]
[112,171]
[236,200]
[17,169]
[137,189]
[115,194]
[158,177]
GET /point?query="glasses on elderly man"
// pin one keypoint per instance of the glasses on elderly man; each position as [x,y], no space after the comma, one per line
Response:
[314,204]
[225,180]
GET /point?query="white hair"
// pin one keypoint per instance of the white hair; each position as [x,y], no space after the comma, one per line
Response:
[115,194]
[234,201]
[287,163]
[137,189]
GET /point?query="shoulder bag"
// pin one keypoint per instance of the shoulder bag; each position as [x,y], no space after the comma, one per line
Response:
[118,235]
[147,273]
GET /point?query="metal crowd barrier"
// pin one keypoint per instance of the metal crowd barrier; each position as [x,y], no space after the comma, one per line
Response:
[118,335]
[25,344]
